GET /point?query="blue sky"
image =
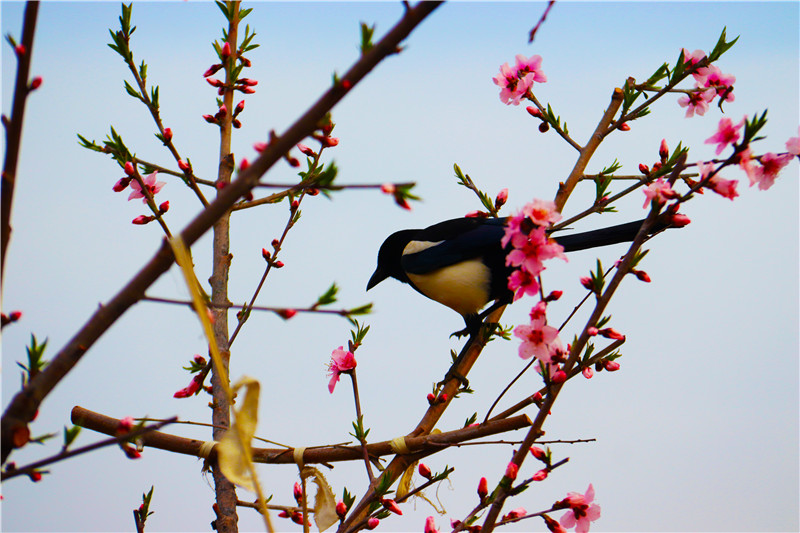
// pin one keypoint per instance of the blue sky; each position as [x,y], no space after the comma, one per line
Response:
[699,429]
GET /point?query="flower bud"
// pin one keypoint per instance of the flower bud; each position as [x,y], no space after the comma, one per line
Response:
[483,488]
[275,244]
[293,161]
[341,510]
[130,170]
[306,150]
[20,49]
[537,396]
[431,398]
[533,111]
[587,372]
[199,359]
[430,526]
[644,169]
[372,523]
[13,316]
[247,81]
[544,126]
[624,127]
[244,164]
[611,333]
[553,296]
[239,108]
[163,208]
[330,141]
[36,83]
[226,50]
[501,199]
[559,376]
[167,134]
[592,331]
[663,150]
[286,314]
[236,123]
[511,471]
[297,491]
[641,275]
[679,220]
[538,453]
[424,471]
[611,366]
[214,82]
[260,146]
[121,184]
[213,69]
[246,62]
[210,119]
[141,220]
[278,264]
[184,166]
[265,254]
[586,281]
[541,475]
[391,505]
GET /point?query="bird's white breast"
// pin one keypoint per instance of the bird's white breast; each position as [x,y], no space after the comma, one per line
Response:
[463,287]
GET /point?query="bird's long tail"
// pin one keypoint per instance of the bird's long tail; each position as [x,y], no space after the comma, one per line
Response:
[605,236]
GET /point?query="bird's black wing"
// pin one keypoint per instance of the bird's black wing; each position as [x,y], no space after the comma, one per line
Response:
[457,240]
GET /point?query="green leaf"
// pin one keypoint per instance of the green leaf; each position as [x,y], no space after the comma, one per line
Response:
[224,9]
[131,91]
[70,434]
[366,37]
[328,297]
[721,47]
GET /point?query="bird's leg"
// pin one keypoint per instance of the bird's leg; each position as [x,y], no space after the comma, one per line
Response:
[451,373]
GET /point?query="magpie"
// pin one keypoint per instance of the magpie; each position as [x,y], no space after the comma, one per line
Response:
[461,263]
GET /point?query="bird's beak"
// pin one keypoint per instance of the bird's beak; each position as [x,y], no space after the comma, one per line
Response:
[378,276]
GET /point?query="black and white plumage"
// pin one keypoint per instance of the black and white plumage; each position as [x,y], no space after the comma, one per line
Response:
[460,262]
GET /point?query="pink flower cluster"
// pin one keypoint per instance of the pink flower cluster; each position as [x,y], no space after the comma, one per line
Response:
[514,82]
[526,232]
[542,342]
[710,82]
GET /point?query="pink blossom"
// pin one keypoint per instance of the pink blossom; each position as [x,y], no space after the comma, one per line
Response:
[582,512]
[692,58]
[793,144]
[151,185]
[766,173]
[696,102]
[713,77]
[522,283]
[537,340]
[716,183]
[727,133]
[658,191]
[530,67]
[541,212]
[587,372]
[341,361]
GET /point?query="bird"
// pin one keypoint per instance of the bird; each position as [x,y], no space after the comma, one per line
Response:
[461,262]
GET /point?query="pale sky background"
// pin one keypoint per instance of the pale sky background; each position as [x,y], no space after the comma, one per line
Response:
[697,432]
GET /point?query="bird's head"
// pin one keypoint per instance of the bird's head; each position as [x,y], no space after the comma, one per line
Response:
[389,257]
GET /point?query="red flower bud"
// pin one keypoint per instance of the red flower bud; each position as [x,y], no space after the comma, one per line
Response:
[214,82]
[245,61]
[130,170]
[624,127]
[36,83]
[295,204]
[306,150]
[121,184]
[611,333]
[278,264]
[611,366]
[226,50]
[586,281]
[163,208]
[312,191]
[265,253]
[14,316]
[537,396]
[533,111]
[511,471]
[587,372]
[391,505]
[372,523]
[35,476]
[554,295]
[592,331]
[298,492]
[244,164]
[213,69]
[431,398]
[538,453]
[20,49]
[388,188]
[239,108]
[540,475]
[260,146]
[244,89]
[501,199]
[275,244]
[248,82]
[210,119]
[286,314]
[559,376]
[293,161]
[544,126]
[663,150]
[221,112]
[644,169]
[199,359]
[483,488]
[679,220]
[341,510]
[330,141]
[424,471]
[346,85]
[167,134]
[443,397]
[184,166]
[236,123]
[141,220]
[641,275]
